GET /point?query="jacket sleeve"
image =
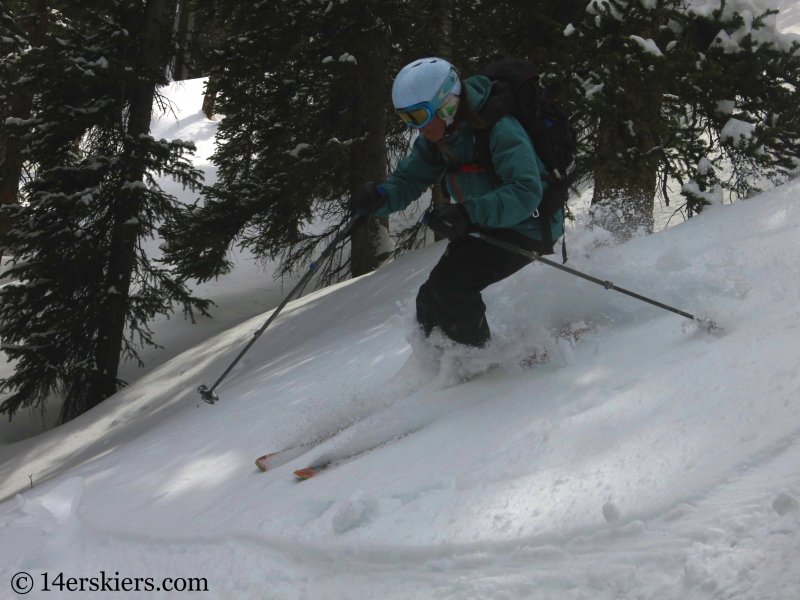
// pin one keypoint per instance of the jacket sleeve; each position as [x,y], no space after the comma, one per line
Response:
[520,169]
[412,176]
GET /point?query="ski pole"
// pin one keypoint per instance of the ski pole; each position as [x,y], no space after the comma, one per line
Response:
[704,323]
[209,395]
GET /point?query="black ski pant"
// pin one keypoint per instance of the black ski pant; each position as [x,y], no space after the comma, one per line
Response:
[451,298]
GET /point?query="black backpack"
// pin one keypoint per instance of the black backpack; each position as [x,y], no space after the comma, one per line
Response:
[516,91]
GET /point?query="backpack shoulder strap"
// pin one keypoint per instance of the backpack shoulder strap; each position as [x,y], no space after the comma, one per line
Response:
[483,153]
[507,77]
[501,102]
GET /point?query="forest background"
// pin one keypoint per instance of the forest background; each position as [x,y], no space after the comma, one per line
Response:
[680,103]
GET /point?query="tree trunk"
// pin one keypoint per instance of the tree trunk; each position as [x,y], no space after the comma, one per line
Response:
[11,161]
[626,163]
[210,98]
[369,157]
[154,49]
[446,41]
[180,69]
[623,199]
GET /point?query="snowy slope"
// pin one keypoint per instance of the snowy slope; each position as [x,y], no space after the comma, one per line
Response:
[250,289]
[686,442]
[789,17]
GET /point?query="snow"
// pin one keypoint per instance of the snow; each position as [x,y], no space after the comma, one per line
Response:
[647,45]
[298,148]
[725,107]
[785,503]
[611,512]
[737,131]
[645,458]
[724,41]
[780,30]
[714,196]
[788,20]
[135,185]
[593,89]
[15,121]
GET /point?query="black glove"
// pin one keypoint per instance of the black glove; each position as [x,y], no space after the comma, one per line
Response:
[449,220]
[367,200]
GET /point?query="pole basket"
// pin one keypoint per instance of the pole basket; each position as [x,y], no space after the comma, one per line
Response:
[207,394]
[707,325]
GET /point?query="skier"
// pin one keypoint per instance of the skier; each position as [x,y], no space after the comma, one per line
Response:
[429,96]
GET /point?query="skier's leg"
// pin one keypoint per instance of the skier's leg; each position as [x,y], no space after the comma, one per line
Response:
[453,289]
[426,310]
[426,316]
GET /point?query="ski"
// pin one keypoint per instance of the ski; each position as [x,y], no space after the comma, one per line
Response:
[309,472]
[327,464]
[274,460]
[277,459]
[281,457]
[533,357]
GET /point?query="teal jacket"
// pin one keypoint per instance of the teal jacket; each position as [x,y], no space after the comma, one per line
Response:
[510,205]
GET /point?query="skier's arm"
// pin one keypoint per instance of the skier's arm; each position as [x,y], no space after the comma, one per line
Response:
[413,175]
[520,169]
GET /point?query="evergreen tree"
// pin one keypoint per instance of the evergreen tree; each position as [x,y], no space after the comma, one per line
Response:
[668,95]
[181,67]
[651,120]
[16,90]
[308,119]
[210,27]
[86,289]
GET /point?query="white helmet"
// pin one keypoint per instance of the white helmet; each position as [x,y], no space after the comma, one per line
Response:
[428,80]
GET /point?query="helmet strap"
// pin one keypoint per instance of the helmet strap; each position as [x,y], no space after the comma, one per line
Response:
[447,110]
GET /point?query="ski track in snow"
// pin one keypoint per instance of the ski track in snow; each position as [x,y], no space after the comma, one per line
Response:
[647,460]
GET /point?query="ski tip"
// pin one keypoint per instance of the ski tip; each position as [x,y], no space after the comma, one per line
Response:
[308,473]
[263,462]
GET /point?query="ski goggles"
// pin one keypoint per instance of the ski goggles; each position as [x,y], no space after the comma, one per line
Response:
[420,115]
[444,104]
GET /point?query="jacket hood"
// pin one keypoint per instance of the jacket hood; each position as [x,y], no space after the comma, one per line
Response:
[479,88]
